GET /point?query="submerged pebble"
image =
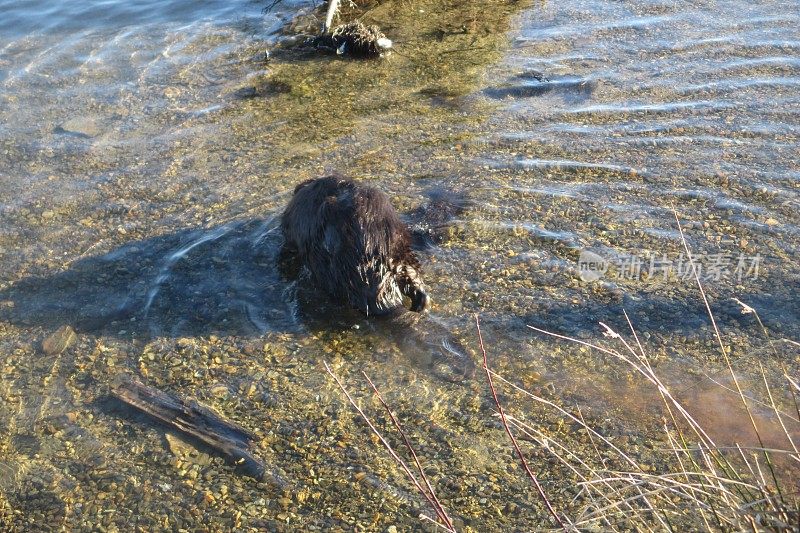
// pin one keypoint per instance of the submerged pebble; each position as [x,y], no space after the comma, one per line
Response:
[59,340]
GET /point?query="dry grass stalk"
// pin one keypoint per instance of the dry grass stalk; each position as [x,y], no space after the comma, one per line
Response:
[443,520]
[729,488]
[511,435]
[721,494]
[433,499]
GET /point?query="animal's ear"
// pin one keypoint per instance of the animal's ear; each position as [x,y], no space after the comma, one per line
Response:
[303,184]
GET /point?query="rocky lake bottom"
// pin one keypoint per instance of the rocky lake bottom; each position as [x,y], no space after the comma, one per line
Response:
[147,151]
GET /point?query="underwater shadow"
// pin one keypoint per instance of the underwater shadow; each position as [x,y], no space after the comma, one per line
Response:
[572,89]
[686,316]
[229,280]
[223,280]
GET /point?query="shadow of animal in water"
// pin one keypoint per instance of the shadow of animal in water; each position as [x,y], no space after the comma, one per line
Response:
[684,316]
[220,280]
[225,280]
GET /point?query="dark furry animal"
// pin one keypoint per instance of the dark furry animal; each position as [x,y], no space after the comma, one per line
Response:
[354,245]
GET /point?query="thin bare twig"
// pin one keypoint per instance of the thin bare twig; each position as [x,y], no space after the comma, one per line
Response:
[436,503]
[511,435]
[388,447]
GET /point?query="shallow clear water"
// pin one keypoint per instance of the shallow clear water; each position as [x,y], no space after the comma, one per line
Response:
[146,149]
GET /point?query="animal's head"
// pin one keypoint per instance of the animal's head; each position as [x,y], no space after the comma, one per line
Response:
[355,245]
[409,280]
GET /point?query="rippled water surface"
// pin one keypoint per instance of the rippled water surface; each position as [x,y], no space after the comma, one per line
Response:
[147,149]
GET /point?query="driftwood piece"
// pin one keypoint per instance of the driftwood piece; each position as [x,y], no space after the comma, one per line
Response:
[194,420]
[333,7]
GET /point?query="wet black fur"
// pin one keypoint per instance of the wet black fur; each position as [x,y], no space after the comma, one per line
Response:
[354,245]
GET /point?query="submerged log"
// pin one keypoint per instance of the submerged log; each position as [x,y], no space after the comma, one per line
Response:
[193,419]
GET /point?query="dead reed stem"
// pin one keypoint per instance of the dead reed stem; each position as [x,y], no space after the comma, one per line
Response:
[431,498]
[524,462]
